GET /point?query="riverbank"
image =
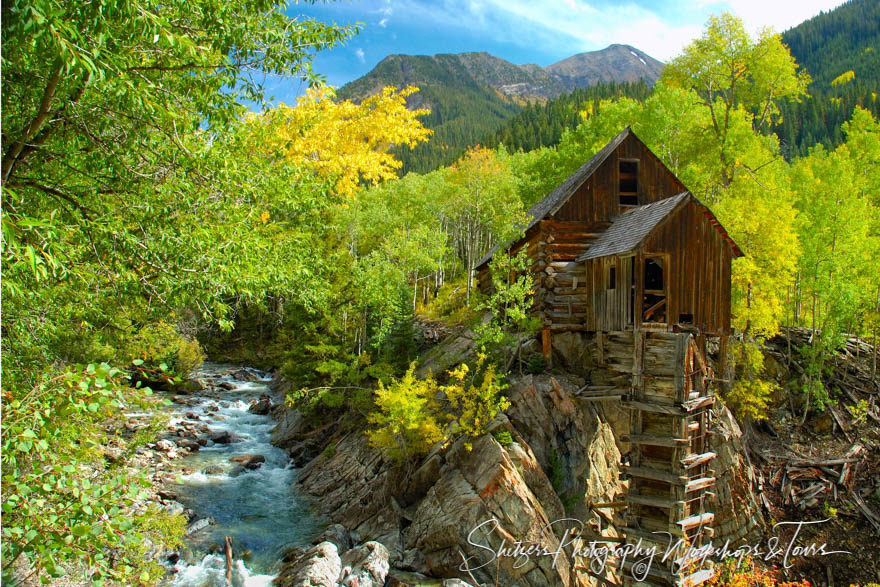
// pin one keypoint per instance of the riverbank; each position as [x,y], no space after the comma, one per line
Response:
[215,465]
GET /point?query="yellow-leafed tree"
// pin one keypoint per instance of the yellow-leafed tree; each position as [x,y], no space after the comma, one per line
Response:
[343,141]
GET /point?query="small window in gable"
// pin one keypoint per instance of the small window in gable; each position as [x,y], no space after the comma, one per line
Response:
[629,182]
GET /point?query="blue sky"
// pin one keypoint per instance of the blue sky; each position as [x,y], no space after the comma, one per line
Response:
[525,31]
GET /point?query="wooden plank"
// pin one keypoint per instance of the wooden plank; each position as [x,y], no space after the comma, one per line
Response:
[696,521]
[654,407]
[700,402]
[653,501]
[698,484]
[694,460]
[654,440]
[655,474]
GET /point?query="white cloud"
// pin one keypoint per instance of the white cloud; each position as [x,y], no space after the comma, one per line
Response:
[589,25]
[757,14]
[384,22]
[593,27]
[359,53]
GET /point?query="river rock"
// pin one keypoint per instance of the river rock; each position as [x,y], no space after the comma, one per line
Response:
[165,445]
[320,566]
[198,525]
[365,566]
[224,437]
[355,485]
[227,385]
[249,461]
[188,444]
[175,508]
[338,535]
[245,375]
[261,406]
[213,470]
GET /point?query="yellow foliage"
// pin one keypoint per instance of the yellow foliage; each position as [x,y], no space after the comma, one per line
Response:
[844,78]
[342,141]
[732,573]
[750,394]
[408,422]
[476,404]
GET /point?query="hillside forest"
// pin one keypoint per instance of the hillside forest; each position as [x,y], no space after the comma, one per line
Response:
[150,218]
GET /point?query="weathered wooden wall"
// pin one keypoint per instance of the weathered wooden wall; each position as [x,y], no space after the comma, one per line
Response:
[698,276]
[597,198]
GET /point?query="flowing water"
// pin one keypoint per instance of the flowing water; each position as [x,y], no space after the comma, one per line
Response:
[258,508]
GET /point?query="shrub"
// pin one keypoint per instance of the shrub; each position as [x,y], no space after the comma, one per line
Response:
[475,399]
[63,503]
[160,355]
[408,421]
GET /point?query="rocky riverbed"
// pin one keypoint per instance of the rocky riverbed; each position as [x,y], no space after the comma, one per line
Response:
[216,465]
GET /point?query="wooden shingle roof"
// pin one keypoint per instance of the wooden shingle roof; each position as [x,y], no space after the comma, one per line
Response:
[553,201]
[629,230]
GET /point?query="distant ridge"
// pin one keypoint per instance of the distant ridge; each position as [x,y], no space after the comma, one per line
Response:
[470,95]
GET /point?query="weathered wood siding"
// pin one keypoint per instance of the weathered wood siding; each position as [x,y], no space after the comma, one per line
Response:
[698,276]
[597,199]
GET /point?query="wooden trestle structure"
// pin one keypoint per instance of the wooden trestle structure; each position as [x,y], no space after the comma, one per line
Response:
[669,463]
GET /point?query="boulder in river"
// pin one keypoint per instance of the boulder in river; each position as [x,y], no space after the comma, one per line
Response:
[245,375]
[365,566]
[164,445]
[249,461]
[189,444]
[262,406]
[198,525]
[319,566]
[224,437]
[227,385]
[338,535]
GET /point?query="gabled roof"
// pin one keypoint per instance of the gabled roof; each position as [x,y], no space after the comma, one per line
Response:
[558,197]
[553,201]
[629,230]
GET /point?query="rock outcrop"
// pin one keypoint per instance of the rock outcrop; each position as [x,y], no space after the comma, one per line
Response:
[738,516]
[446,514]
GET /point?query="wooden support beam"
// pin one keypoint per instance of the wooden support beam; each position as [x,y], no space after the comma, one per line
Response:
[698,484]
[700,402]
[655,474]
[652,440]
[653,501]
[694,460]
[546,345]
[696,521]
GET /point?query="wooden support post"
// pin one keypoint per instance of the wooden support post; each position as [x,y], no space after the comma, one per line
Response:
[546,347]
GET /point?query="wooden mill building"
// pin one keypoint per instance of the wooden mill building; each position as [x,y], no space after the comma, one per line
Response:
[623,253]
[622,245]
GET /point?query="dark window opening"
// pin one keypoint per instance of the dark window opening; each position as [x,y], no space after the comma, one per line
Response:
[612,278]
[653,274]
[628,174]
[685,318]
[654,302]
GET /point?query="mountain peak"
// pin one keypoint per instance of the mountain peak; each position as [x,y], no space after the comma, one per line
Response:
[617,63]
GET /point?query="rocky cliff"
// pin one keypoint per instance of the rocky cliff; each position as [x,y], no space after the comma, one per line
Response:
[547,474]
